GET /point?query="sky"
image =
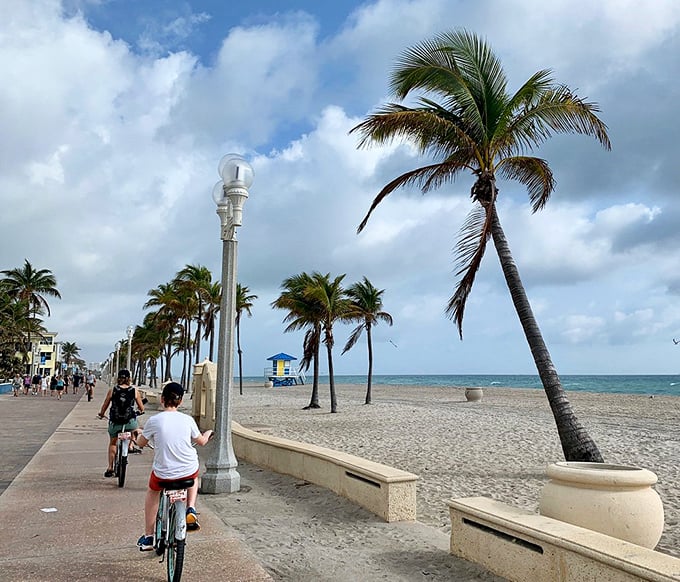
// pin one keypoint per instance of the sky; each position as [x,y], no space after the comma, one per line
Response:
[114,115]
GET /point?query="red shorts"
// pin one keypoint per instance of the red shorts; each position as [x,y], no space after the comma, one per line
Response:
[155,484]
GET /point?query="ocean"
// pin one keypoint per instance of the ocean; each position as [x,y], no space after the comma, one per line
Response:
[641,384]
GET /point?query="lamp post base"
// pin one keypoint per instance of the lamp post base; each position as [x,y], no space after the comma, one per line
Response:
[225,480]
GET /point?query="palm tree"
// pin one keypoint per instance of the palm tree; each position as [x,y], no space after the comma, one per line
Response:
[303,313]
[330,297]
[480,127]
[29,285]
[165,320]
[366,308]
[244,302]
[213,299]
[199,280]
[69,351]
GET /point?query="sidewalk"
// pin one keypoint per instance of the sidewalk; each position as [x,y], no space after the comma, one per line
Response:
[92,533]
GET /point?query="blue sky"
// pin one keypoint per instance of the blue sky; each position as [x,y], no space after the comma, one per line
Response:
[115,114]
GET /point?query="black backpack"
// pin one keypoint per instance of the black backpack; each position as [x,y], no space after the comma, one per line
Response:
[122,405]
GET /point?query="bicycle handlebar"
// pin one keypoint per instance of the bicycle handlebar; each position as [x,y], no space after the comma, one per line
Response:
[137,413]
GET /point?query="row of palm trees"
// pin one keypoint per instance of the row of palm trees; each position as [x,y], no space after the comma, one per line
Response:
[23,305]
[315,302]
[185,312]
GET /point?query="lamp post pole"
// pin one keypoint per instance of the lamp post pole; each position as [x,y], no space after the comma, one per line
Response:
[130,332]
[117,359]
[229,194]
[111,367]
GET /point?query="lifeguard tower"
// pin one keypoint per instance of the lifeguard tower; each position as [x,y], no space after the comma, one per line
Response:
[281,372]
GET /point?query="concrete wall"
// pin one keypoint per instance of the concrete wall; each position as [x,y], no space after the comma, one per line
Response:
[387,492]
[523,546]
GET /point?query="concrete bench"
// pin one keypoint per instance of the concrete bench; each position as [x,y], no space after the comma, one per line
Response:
[520,545]
[387,492]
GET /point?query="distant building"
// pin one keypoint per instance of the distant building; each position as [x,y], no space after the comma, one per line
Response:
[44,356]
[282,372]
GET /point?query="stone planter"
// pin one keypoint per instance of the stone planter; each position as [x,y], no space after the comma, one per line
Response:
[616,500]
[473,394]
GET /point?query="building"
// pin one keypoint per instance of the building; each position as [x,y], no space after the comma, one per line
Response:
[44,356]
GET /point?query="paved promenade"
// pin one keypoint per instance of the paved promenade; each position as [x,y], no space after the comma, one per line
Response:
[275,528]
[91,535]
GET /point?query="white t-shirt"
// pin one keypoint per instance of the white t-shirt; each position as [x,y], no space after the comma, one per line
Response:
[171,432]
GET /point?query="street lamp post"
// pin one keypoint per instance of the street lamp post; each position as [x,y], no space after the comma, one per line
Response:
[130,332]
[35,358]
[117,359]
[229,194]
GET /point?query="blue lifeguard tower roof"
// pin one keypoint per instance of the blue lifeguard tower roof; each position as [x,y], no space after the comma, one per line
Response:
[282,356]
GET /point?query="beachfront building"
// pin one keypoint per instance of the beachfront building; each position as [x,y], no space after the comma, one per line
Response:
[282,372]
[44,355]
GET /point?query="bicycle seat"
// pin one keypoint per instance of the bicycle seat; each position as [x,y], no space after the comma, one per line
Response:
[175,484]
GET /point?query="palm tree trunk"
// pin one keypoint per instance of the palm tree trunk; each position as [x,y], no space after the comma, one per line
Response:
[314,402]
[370,363]
[212,343]
[240,355]
[197,347]
[577,444]
[331,377]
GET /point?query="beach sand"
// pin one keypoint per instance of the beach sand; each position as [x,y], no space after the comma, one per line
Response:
[498,447]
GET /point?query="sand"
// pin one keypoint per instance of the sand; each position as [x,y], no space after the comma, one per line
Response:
[498,447]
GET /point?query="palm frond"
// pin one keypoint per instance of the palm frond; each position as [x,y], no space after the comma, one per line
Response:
[473,237]
[534,173]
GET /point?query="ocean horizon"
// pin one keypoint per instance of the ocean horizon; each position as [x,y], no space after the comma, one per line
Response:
[624,384]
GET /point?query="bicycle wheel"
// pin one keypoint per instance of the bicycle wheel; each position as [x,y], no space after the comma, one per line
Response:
[175,560]
[122,465]
[116,461]
[160,531]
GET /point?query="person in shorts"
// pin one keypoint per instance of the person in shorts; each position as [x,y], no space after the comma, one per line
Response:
[35,384]
[122,417]
[172,433]
[17,383]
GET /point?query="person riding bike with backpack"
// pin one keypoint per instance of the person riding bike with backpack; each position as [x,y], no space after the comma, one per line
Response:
[122,416]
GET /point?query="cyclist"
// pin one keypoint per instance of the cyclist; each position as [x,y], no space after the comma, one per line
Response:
[172,433]
[122,416]
[90,381]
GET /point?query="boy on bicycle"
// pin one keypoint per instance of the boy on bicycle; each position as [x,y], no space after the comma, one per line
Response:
[122,416]
[172,433]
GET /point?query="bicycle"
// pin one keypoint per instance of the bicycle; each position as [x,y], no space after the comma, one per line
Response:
[122,450]
[171,526]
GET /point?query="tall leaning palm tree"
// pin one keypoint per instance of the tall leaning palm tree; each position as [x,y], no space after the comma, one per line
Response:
[478,126]
[244,302]
[365,307]
[30,286]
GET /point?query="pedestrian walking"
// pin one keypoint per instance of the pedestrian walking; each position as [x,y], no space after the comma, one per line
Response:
[44,384]
[17,383]
[35,384]
[60,386]
[27,384]
[53,386]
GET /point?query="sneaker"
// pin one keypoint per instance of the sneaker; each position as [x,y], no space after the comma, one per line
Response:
[192,520]
[108,473]
[145,543]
